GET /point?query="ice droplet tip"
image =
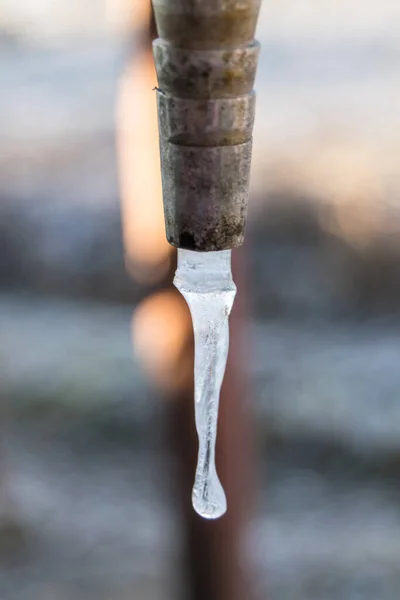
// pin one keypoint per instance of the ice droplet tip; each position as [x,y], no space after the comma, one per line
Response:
[205,280]
[209,510]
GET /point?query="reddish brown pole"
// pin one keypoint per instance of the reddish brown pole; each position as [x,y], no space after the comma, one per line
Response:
[214,555]
[217,567]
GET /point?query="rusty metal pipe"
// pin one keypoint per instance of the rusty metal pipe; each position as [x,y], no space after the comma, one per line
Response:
[206,60]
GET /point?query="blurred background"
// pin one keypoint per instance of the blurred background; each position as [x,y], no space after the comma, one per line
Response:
[97,440]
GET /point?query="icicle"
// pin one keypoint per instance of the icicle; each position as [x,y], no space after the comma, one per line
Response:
[205,281]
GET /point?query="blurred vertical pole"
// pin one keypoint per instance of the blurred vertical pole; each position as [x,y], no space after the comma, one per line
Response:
[217,567]
[214,551]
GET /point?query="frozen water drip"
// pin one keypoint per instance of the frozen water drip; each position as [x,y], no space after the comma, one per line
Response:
[205,281]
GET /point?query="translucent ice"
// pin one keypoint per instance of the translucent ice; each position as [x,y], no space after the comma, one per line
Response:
[205,281]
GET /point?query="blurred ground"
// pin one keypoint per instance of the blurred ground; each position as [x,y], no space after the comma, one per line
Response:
[88,473]
[90,476]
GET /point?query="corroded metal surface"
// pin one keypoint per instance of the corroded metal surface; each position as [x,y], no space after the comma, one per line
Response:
[218,122]
[206,61]
[206,24]
[224,73]
[206,190]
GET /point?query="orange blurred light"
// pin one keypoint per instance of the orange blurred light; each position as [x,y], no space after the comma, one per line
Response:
[161,327]
[148,252]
